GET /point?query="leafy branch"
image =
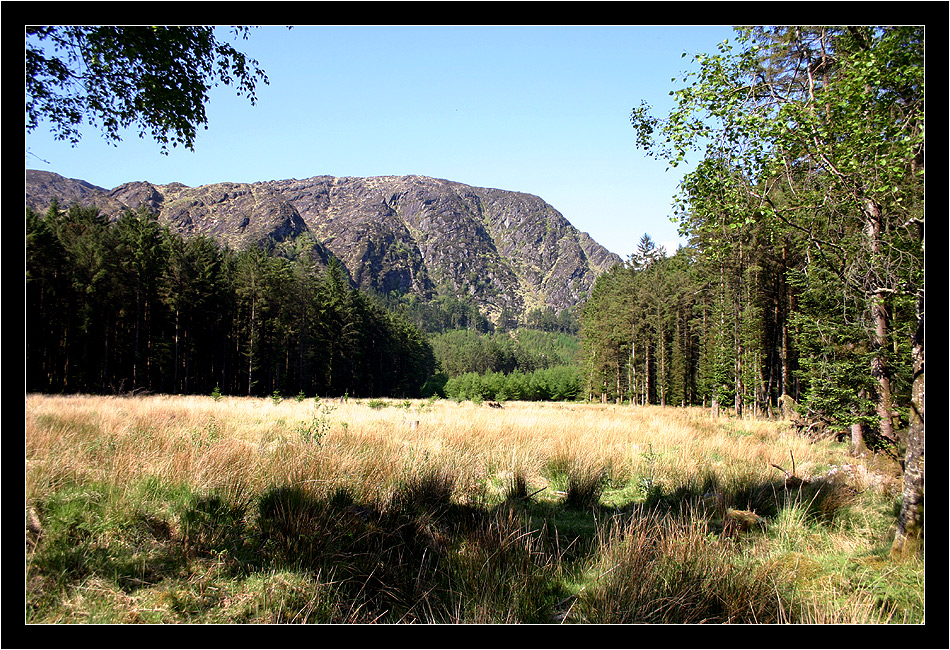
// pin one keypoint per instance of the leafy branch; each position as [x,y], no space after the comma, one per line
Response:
[155,79]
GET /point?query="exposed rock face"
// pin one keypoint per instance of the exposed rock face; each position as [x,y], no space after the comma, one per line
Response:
[239,215]
[504,250]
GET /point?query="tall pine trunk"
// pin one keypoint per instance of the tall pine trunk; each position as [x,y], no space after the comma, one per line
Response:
[250,356]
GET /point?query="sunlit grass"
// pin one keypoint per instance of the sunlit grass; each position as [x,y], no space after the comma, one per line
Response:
[177,438]
[153,510]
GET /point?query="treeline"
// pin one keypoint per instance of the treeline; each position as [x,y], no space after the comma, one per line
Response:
[754,333]
[526,350]
[446,312]
[526,364]
[803,279]
[128,306]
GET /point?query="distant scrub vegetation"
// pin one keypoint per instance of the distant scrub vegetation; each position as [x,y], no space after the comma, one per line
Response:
[559,383]
[461,351]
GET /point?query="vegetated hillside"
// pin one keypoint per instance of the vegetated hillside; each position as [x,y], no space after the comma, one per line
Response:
[502,250]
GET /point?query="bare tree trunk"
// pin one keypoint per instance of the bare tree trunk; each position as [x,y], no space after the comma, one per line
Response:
[909,539]
[631,370]
[740,350]
[662,370]
[763,401]
[781,317]
[135,355]
[619,383]
[879,368]
[177,386]
[859,448]
[590,381]
[250,356]
[646,375]
[737,337]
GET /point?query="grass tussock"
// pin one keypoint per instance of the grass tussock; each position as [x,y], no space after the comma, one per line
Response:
[661,569]
[198,510]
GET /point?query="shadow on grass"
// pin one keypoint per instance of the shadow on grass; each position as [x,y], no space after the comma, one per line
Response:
[821,500]
[417,557]
[421,556]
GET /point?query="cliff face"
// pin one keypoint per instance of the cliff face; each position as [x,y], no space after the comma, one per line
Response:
[412,234]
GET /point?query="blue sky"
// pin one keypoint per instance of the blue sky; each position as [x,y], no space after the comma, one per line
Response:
[543,110]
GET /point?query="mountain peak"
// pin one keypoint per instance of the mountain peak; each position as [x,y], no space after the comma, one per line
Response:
[500,249]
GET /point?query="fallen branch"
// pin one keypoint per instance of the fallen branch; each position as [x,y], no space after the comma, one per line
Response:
[791,481]
[535,492]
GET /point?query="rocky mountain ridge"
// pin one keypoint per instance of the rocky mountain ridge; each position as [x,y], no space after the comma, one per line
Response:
[500,249]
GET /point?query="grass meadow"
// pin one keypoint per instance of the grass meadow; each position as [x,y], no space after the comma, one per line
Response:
[168,509]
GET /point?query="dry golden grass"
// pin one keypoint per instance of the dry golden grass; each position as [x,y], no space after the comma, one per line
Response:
[244,448]
[254,442]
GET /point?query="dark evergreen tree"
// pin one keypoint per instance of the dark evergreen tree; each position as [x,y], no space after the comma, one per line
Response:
[128,306]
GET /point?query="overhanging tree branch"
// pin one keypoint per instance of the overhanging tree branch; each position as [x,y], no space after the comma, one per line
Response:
[153,78]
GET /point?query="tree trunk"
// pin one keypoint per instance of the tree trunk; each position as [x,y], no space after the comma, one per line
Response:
[781,320]
[859,447]
[879,368]
[632,370]
[909,539]
[763,399]
[250,356]
[135,354]
[619,398]
[175,381]
[740,350]
[646,376]
[661,380]
[879,316]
